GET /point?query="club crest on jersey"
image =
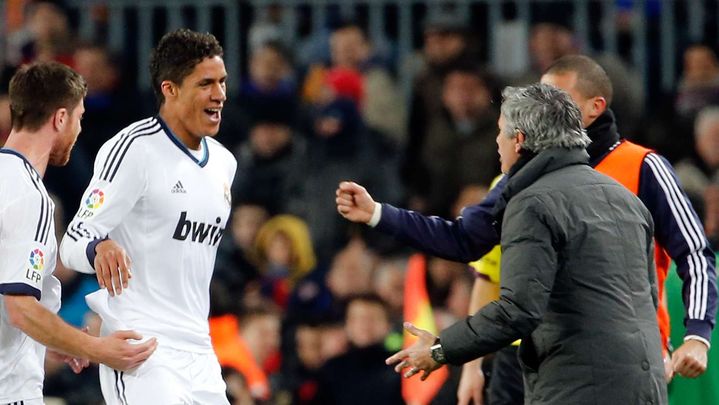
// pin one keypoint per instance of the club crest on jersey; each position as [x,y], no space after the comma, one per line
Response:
[199,232]
[37,260]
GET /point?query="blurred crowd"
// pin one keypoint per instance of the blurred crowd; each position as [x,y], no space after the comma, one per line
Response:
[302,299]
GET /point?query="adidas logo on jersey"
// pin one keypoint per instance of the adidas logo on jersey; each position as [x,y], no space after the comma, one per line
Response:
[178,188]
[198,231]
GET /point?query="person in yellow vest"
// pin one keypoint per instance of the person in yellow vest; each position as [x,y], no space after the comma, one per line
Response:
[505,385]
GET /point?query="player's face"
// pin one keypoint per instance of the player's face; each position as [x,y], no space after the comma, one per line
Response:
[507,147]
[60,154]
[201,97]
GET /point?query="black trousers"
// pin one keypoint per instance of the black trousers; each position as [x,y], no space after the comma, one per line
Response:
[506,385]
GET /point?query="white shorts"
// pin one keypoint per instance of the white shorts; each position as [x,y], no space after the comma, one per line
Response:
[168,377]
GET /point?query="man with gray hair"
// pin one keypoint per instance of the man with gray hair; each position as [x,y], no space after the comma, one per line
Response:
[578,287]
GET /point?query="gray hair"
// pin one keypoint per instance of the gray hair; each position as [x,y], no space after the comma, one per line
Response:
[706,117]
[546,116]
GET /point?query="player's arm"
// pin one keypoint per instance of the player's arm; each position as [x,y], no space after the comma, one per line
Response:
[117,184]
[679,230]
[27,314]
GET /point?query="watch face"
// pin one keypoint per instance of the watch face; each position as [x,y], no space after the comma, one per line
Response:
[438,354]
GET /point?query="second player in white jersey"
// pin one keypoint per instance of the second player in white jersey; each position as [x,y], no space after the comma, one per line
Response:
[168,209]
[27,260]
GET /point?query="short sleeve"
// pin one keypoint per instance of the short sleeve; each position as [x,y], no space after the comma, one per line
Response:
[26,254]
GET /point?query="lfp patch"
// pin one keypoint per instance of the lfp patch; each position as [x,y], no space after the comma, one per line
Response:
[37,260]
[95,199]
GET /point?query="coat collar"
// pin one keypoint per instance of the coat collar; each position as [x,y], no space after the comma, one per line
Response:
[603,133]
[529,168]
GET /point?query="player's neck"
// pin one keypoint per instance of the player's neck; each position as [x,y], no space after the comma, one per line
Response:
[175,124]
[33,146]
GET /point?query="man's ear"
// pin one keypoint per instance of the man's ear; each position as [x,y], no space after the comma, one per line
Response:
[599,105]
[169,89]
[520,138]
[60,119]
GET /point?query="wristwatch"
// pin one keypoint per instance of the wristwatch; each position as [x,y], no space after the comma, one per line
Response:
[437,352]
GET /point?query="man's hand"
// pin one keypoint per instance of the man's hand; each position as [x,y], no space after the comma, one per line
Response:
[354,202]
[117,353]
[76,364]
[690,359]
[112,266]
[417,356]
[668,370]
[471,384]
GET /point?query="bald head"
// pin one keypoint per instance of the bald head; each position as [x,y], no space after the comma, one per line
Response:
[592,80]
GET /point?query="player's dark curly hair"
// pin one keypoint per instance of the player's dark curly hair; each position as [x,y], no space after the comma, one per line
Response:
[176,55]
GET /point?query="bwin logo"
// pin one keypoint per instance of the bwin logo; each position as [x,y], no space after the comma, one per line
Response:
[198,231]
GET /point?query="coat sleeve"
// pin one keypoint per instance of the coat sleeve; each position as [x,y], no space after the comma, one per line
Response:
[467,238]
[529,266]
[679,231]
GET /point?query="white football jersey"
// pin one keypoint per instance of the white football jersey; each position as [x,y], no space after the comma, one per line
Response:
[28,252]
[168,210]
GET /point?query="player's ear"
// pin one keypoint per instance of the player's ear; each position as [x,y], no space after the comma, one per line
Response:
[169,89]
[60,119]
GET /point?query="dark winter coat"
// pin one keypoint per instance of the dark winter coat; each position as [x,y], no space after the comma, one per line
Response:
[578,286]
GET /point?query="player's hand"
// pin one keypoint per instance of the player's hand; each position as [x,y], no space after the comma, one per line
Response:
[117,353]
[112,265]
[354,202]
[76,364]
[690,359]
[417,357]
[471,384]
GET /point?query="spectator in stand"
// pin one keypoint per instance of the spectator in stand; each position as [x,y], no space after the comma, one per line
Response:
[459,147]
[699,84]
[383,107]
[700,176]
[285,255]
[109,104]
[388,284]
[698,88]
[299,381]
[551,38]
[237,261]
[46,35]
[338,148]
[360,376]
[271,73]
[271,161]
[445,43]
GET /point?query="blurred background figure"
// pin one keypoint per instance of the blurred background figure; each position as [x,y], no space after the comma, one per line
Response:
[459,147]
[383,107]
[360,375]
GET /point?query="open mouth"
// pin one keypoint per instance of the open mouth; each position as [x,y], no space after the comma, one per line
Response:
[213,114]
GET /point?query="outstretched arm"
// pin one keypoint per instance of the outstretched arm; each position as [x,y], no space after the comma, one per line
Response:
[465,239]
